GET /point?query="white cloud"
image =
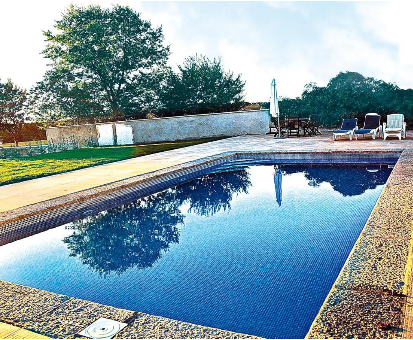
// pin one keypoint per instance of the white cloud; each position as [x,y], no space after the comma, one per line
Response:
[182,44]
[390,21]
[379,46]
[349,51]
[371,38]
[288,5]
[242,59]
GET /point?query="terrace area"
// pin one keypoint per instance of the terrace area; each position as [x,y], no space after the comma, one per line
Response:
[372,293]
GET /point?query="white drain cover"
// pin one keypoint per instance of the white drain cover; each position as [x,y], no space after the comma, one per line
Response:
[103,329]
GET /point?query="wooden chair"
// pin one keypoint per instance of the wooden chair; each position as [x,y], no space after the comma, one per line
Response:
[293,126]
[314,124]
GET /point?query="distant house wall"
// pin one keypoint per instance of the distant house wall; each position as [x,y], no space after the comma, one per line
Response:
[168,128]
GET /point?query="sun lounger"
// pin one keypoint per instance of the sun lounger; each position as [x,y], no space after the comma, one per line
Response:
[395,126]
[371,126]
[348,127]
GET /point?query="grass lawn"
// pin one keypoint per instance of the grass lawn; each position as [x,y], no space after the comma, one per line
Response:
[21,169]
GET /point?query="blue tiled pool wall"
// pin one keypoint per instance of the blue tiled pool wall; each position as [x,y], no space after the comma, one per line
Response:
[335,158]
[52,218]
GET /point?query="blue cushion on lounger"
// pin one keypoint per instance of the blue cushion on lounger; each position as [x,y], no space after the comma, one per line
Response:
[341,131]
[363,131]
[349,123]
[372,121]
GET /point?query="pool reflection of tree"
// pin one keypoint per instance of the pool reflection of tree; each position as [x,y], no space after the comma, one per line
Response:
[136,234]
[132,235]
[349,181]
[212,193]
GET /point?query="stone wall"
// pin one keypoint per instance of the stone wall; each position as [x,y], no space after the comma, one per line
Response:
[168,128]
[76,134]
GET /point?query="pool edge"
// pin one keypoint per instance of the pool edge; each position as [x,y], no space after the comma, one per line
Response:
[369,303]
[136,180]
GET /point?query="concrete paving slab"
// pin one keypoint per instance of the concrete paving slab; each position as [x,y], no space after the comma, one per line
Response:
[16,195]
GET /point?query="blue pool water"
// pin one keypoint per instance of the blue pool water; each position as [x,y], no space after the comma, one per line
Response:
[252,250]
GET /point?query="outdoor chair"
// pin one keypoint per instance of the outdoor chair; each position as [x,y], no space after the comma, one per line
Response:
[293,126]
[347,128]
[395,126]
[313,125]
[371,126]
[273,123]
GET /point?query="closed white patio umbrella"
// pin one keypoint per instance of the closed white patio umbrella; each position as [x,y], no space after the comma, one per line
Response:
[274,109]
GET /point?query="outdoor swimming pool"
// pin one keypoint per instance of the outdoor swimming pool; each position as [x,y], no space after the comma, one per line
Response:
[254,249]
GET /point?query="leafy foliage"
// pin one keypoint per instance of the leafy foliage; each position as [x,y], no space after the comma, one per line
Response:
[200,86]
[12,113]
[103,62]
[30,132]
[349,94]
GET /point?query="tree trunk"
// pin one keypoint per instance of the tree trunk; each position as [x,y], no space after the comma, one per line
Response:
[117,112]
[15,131]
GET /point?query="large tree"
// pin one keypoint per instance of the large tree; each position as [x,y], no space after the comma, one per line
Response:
[201,85]
[103,61]
[12,113]
[350,94]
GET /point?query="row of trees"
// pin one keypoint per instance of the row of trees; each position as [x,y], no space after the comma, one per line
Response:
[349,94]
[108,64]
[12,113]
[112,63]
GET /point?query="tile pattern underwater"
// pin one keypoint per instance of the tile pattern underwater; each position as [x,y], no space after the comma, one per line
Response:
[252,249]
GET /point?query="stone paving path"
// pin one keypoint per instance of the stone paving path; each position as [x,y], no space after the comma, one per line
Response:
[17,195]
[12,332]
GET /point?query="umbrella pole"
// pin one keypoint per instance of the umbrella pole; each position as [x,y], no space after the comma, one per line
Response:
[279,127]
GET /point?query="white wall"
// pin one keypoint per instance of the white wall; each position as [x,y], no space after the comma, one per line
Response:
[200,126]
[168,129]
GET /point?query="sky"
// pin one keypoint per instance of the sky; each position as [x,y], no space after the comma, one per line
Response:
[293,42]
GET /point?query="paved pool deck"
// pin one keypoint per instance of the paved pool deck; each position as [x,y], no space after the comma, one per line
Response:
[372,297]
[17,195]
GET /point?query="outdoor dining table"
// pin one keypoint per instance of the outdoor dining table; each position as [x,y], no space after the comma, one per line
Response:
[294,125]
[297,124]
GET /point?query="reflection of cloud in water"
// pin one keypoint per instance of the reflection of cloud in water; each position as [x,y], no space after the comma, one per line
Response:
[349,181]
[136,234]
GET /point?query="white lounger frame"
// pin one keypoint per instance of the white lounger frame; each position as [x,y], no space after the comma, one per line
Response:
[349,133]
